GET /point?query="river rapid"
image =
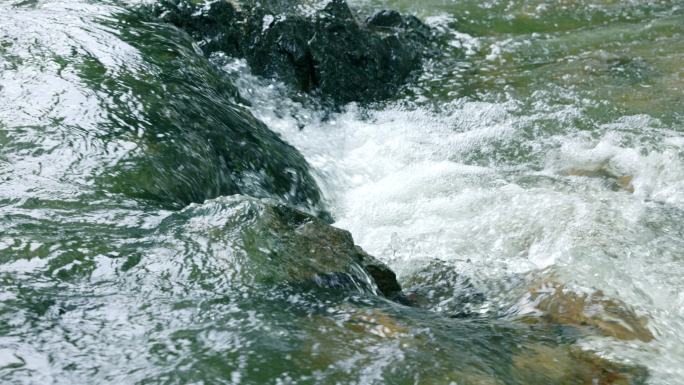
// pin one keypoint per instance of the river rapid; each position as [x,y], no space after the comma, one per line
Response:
[541,151]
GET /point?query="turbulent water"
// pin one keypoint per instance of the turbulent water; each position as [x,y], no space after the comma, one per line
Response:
[543,146]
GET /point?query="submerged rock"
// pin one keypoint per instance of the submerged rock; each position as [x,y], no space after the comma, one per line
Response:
[272,244]
[603,171]
[608,317]
[542,364]
[324,51]
[440,288]
[191,138]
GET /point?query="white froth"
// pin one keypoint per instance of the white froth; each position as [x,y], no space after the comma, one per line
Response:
[415,184]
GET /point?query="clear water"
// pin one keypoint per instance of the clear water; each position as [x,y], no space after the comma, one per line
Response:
[545,144]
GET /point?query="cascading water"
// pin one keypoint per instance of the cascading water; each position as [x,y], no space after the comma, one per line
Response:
[542,148]
[539,175]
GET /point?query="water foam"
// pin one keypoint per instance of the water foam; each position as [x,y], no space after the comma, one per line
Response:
[480,186]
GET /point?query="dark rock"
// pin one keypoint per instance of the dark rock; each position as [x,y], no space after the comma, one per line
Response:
[215,28]
[280,49]
[384,277]
[385,19]
[325,52]
[333,55]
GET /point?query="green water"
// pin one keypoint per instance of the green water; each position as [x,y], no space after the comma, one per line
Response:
[544,140]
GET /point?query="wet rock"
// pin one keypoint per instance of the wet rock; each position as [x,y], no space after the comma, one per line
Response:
[511,355]
[333,54]
[326,51]
[625,182]
[603,171]
[384,277]
[215,28]
[271,243]
[386,19]
[191,137]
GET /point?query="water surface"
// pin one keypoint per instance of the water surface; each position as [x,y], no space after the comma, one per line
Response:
[543,145]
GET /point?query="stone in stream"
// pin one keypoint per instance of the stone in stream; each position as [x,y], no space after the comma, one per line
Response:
[539,357]
[594,312]
[325,51]
[273,244]
[191,138]
[519,355]
[439,287]
[217,26]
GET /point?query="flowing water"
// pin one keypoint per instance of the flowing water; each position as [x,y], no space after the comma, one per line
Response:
[545,143]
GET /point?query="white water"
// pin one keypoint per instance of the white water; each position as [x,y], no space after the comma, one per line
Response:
[412,184]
